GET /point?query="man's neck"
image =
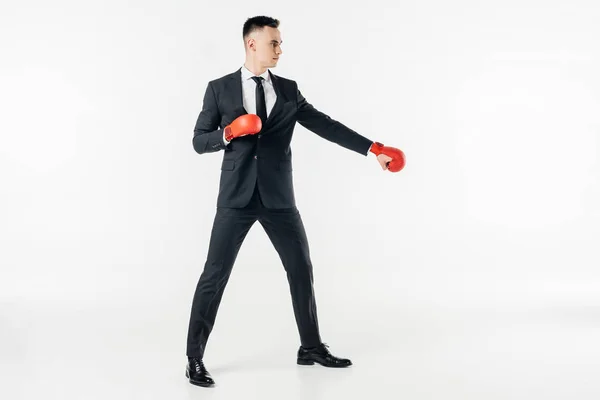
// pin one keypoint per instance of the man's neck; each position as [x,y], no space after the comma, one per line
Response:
[254,68]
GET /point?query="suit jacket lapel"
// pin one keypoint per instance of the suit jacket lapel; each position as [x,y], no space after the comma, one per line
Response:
[278,100]
[236,91]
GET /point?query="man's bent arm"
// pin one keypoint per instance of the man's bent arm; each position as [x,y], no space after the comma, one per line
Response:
[208,137]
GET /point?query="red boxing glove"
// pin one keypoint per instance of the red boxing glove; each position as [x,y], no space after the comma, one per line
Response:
[247,124]
[398,157]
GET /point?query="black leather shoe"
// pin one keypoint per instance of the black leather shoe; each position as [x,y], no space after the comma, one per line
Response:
[321,355]
[197,373]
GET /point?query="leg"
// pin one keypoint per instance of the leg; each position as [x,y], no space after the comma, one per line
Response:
[286,231]
[229,230]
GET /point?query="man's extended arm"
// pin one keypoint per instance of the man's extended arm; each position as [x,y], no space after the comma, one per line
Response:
[326,127]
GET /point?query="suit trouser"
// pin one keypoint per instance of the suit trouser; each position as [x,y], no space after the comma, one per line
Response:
[285,229]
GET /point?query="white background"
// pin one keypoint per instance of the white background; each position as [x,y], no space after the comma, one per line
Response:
[471,274]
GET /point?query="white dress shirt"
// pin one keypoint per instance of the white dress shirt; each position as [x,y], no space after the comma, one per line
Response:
[249,92]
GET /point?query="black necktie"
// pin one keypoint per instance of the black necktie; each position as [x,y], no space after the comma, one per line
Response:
[261,106]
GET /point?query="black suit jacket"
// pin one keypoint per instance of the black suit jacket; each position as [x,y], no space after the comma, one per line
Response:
[265,158]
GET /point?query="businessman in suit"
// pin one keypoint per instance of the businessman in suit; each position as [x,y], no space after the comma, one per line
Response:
[250,116]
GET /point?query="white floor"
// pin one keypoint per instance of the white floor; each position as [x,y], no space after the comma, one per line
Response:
[68,351]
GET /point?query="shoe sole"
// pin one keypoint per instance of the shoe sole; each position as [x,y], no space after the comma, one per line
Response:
[197,383]
[312,362]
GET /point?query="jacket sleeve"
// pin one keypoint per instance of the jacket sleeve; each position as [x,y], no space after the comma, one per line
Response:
[208,135]
[326,127]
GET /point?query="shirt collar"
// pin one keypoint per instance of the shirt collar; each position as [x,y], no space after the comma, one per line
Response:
[247,74]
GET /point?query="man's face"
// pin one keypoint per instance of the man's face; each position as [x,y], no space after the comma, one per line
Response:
[267,46]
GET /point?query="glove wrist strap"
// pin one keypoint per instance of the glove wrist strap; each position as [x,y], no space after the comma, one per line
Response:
[376,148]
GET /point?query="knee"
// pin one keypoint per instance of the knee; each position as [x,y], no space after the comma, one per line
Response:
[215,274]
[300,272]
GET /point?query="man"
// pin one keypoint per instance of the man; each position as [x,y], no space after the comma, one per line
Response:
[250,115]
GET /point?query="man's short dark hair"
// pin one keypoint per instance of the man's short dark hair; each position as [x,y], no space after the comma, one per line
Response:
[258,22]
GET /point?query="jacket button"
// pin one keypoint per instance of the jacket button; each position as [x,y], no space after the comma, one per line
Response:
[255,157]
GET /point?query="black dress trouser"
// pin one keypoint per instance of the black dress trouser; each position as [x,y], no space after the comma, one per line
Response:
[285,229]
